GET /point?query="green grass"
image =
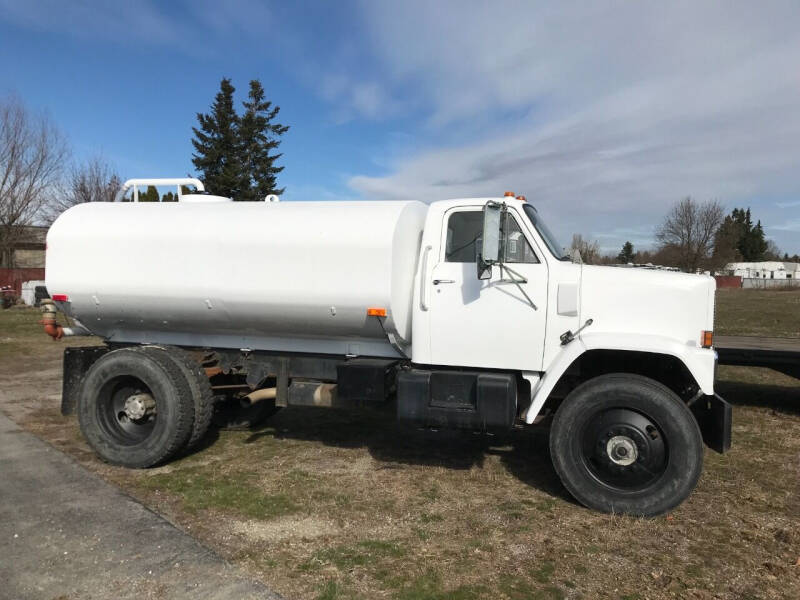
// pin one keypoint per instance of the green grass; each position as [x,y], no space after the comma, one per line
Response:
[429,587]
[758,312]
[365,552]
[199,489]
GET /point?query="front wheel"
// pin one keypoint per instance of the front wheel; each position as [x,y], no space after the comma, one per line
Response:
[624,443]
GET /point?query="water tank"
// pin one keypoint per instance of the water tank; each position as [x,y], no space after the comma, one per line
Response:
[286,276]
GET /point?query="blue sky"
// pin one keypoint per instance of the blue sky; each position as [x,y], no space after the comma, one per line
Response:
[602,114]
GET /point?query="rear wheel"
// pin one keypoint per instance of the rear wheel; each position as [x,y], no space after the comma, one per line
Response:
[626,444]
[135,408]
[199,387]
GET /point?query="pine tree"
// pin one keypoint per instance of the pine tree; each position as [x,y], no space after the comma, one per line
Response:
[258,136]
[150,195]
[738,239]
[626,255]
[216,144]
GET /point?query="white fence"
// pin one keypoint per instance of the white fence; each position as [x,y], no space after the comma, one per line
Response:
[765,284]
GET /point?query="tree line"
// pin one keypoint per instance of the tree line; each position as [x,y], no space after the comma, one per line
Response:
[695,236]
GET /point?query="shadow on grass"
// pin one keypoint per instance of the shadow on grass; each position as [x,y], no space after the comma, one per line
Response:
[523,452]
[783,399]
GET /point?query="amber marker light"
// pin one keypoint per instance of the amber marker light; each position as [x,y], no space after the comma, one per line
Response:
[707,339]
[376,312]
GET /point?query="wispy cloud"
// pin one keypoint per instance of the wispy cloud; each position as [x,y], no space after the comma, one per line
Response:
[617,110]
[187,26]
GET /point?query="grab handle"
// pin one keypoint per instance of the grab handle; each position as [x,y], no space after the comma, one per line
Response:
[423,282]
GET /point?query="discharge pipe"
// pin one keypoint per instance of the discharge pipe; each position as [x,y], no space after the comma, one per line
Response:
[259,395]
[51,326]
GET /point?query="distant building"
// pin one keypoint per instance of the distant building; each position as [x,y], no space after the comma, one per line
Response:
[23,259]
[768,269]
[27,249]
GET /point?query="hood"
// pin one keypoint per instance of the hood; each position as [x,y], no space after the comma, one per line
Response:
[641,301]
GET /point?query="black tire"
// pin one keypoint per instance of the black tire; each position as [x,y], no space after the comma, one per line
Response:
[235,415]
[199,386]
[624,443]
[144,442]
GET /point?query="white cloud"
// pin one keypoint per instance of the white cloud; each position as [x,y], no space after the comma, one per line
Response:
[189,29]
[615,111]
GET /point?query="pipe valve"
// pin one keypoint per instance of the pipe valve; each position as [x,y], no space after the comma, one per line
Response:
[51,326]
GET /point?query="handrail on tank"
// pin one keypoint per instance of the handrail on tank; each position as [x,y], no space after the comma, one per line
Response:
[177,181]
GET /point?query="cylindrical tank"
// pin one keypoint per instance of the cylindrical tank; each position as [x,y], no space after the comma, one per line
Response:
[288,276]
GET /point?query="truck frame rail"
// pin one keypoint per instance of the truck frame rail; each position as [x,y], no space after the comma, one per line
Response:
[781,354]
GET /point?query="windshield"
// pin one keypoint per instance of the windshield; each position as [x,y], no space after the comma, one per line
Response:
[552,242]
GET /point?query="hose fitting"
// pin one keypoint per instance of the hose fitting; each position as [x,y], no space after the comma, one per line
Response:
[51,326]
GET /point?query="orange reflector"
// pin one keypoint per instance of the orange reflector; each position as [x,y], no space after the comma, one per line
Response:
[523,198]
[376,312]
[507,194]
[707,339]
[60,298]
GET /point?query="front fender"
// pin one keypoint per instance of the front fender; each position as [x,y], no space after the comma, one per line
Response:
[699,361]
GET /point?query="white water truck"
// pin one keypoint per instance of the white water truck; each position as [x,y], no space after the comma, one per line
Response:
[464,313]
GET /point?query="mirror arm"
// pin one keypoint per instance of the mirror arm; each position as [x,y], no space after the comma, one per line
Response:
[516,279]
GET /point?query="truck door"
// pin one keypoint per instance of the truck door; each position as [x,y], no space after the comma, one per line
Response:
[487,323]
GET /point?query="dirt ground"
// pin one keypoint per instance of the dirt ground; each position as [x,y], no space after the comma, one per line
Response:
[327,504]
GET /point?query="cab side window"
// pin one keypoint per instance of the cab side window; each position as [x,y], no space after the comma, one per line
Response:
[464,231]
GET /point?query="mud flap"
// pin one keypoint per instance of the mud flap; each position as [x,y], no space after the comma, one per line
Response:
[715,418]
[77,361]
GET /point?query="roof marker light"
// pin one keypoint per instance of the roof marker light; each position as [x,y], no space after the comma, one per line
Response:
[507,194]
[376,312]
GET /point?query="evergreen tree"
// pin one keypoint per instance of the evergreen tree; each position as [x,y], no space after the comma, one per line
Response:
[626,254]
[236,154]
[738,239]
[216,144]
[150,195]
[726,241]
[258,136]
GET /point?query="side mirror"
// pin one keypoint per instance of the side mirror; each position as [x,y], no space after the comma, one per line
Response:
[490,246]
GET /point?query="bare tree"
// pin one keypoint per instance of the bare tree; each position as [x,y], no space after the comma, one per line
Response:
[589,251]
[93,181]
[689,229]
[32,155]
[773,251]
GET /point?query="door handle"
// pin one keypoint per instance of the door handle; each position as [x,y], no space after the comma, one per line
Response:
[438,281]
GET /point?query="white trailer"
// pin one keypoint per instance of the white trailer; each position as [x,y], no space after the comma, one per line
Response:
[465,313]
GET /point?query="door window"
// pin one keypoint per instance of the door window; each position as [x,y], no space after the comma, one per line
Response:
[464,231]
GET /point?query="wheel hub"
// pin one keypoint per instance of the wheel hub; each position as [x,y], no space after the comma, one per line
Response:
[622,450]
[139,406]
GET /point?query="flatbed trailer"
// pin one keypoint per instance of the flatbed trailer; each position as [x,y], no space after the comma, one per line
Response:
[781,354]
